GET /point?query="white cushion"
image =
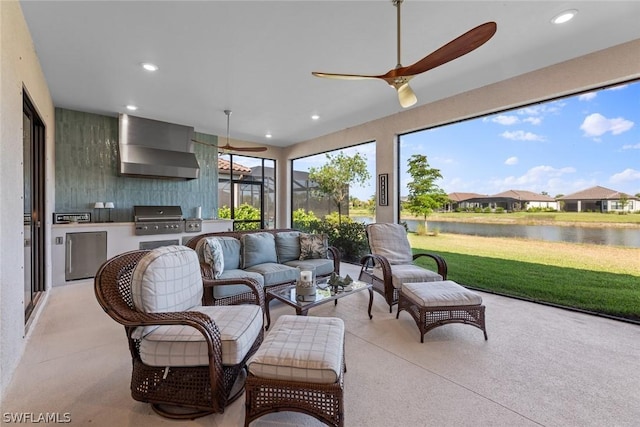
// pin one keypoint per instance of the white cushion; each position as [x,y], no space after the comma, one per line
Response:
[179,345]
[440,294]
[213,255]
[301,349]
[167,279]
[390,241]
[408,273]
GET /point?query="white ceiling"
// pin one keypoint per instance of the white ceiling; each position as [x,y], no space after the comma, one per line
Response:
[256,57]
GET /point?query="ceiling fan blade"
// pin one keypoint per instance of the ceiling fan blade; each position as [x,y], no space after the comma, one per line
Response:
[456,48]
[245,149]
[232,148]
[406,96]
[343,76]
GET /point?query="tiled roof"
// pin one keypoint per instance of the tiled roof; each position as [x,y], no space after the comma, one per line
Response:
[595,193]
[461,197]
[524,195]
[225,165]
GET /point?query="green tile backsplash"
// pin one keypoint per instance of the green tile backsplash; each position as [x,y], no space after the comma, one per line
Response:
[87,172]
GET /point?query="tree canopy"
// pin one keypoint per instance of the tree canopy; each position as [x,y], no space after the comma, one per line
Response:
[424,195]
[334,177]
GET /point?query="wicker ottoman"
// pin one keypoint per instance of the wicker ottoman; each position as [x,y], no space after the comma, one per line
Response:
[433,304]
[299,367]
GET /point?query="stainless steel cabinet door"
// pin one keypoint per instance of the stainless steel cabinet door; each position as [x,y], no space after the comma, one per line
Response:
[85,253]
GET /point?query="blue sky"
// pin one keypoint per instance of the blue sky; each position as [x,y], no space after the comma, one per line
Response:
[558,147]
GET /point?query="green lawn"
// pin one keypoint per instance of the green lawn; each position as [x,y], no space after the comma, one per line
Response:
[589,277]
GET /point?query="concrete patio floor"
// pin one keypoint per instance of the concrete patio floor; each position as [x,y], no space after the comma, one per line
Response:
[542,366]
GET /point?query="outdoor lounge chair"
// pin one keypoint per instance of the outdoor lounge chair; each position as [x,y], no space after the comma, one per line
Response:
[391,262]
[189,360]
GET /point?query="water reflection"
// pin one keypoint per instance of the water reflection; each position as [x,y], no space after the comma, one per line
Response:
[612,236]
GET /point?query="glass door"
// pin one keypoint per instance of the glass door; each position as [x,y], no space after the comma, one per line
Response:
[33,165]
[246,191]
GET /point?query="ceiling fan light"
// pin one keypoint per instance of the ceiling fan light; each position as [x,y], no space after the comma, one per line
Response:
[149,66]
[564,16]
[406,96]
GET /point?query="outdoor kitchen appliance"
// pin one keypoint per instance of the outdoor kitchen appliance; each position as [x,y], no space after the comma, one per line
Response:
[193,225]
[158,220]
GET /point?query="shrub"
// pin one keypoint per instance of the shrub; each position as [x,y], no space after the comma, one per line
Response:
[349,237]
[242,212]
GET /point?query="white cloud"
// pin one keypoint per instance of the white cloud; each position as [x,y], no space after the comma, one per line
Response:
[619,87]
[538,179]
[596,125]
[631,146]
[587,96]
[511,161]
[533,120]
[505,120]
[443,160]
[520,135]
[542,109]
[625,176]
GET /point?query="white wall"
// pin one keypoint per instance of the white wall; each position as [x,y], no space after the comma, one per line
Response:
[605,67]
[19,67]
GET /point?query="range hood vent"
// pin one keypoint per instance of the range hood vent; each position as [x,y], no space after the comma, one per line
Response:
[154,149]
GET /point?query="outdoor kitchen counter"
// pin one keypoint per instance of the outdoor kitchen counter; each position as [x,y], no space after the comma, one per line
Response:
[120,238]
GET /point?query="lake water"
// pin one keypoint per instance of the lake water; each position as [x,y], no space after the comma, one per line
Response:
[613,236]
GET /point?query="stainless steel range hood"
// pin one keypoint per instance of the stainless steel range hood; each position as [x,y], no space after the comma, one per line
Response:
[154,149]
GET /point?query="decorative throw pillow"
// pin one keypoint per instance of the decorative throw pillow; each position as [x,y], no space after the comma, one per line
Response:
[313,246]
[258,248]
[213,255]
[288,246]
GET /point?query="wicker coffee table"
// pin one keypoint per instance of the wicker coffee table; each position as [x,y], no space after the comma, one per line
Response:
[288,296]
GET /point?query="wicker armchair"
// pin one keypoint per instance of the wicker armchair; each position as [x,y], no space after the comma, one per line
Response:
[203,378]
[390,263]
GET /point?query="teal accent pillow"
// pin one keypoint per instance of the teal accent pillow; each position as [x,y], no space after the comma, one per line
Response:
[258,248]
[313,246]
[230,252]
[288,246]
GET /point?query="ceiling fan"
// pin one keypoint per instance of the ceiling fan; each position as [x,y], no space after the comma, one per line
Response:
[228,147]
[399,77]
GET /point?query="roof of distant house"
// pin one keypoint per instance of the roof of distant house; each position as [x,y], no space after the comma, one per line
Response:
[524,195]
[460,197]
[596,193]
[509,194]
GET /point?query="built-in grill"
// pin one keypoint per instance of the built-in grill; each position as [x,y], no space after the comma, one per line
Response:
[158,220]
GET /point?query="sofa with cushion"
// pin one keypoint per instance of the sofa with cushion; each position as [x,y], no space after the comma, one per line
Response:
[273,258]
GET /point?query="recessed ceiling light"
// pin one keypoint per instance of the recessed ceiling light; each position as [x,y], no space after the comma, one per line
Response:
[149,66]
[315,117]
[268,135]
[132,107]
[564,16]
